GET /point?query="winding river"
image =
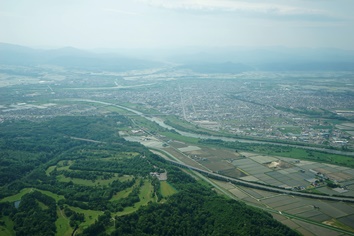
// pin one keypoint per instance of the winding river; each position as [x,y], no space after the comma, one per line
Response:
[160,122]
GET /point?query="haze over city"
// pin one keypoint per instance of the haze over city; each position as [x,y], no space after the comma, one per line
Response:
[172,24]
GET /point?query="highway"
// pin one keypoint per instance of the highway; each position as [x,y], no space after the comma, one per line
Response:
[234,180]
[260,186]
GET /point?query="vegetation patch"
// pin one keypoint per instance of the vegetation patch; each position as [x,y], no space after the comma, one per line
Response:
[338,224]
[90,216]
[167,189]
[6,226]
[63,224]
[18,196]
[98,182]
[122,194]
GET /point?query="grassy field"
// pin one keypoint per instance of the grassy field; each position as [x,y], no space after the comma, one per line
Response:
[145,196]
[183,125]
[179,137]
[61,165]
[49,170]
[18,196]
[24,191]
[42,205]
[86,182]
[122,194]
[120,111]
[311,155]
[122,155]
[7,229]
[53,195]
[90,217]
[166,189]
[63,225]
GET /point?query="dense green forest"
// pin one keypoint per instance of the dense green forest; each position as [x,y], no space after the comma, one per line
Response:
[76,175]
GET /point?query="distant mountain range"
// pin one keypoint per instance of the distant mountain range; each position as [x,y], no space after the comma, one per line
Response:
[202,60]
[269,59]
[71,58]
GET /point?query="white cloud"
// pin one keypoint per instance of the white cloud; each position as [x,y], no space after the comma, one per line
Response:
[259,9]
[121,12]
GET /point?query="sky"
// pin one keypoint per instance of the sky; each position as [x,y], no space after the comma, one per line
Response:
[168,24]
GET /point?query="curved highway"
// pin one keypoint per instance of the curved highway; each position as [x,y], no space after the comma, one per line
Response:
[260,186]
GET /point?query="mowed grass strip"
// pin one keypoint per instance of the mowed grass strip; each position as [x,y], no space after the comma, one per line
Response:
[63,224]
[90,217]
[59,167]
[145,195]
[24,191]
[42,205]
[85,182]
[121,194]
[49,170]
[167,189]
[16,197]
[179,137]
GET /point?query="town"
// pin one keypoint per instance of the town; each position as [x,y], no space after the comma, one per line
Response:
[312,109]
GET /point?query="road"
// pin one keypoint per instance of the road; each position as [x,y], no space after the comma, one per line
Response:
[260,186]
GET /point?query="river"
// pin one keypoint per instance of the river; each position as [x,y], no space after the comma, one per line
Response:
[160,122]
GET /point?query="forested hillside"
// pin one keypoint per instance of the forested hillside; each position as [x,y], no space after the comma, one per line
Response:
[76,175]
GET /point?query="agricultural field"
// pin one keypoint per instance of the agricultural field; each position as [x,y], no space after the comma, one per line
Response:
[285,172]
[275,170]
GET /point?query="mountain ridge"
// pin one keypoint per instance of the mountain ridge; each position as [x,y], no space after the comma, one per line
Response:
[202,60]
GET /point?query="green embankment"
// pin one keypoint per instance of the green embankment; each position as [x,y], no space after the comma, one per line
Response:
[284,151]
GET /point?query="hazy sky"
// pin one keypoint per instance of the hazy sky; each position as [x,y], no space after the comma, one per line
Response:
[177,23]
